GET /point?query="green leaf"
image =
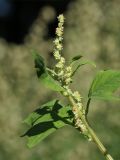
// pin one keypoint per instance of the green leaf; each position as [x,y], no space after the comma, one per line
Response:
[81,64]
[87,62]
[76,58]
[39,63]
[31,119]
[104,85]
[46,120]
[49,82]
[43,75]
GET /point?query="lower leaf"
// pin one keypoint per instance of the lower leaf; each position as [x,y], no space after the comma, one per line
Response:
[46,120]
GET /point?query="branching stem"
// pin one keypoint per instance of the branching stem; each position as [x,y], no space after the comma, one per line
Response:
[92,133]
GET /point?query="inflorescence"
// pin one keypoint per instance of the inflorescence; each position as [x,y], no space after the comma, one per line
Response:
[64,76]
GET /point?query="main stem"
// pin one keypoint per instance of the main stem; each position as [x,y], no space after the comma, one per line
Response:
[92,133]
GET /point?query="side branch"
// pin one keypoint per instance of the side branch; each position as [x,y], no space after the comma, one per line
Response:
[87,107]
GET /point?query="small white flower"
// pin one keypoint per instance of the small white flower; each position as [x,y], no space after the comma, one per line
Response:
[61,73]
[68,75]
[79,105]
[68,80]
[59,46]
[62,60]
[66,87]
[83,128]
[77,96]
[61,18]
[60,25]
[69,91]
[59,65]
[56,41]
[69,69]
[60,38]
[68,72]
[65,93]
[78,123]
[59,32]
[57,54]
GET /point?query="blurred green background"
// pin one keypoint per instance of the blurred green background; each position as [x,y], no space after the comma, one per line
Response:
[92,29]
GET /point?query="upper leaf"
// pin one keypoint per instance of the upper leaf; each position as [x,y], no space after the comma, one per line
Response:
[47,119]
[81,64]
[76,58]
[105,84]
[43,75]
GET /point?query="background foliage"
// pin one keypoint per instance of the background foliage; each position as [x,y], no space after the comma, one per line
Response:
[92,29]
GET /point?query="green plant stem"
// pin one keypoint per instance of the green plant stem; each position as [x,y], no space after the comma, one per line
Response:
[51,71]
[92,133]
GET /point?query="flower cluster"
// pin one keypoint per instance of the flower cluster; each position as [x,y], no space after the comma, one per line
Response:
[59,29]
[78,98]
[64,73]
[58,47]
[67,91]
[61,63]
[79,124]
[64,76]
[58,41]
[67,76]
